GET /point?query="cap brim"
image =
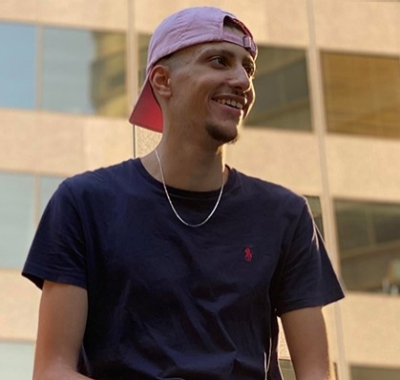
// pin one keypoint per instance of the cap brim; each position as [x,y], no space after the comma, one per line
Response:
[147,112]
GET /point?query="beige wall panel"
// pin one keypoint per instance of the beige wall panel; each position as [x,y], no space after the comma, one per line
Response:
[290,159]
[60,144]
[145,141]
[17,140]
[97,14]
[364,168]
[363,26]
[283,351]
[101,14]
[19,301]
[287,22]
[371,330]
[106,142]
[145,21]
[19,10]
[39,142]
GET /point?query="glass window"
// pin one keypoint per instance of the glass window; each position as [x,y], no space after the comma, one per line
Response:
[48,185]
[362,94]
[374,373]
[17,218]
[17,65]
[369,243]
[84,72]
[21,204]
[287,369]
[315,205]
[143,42]
[282,91]
[16,360]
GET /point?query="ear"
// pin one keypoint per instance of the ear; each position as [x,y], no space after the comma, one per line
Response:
[160,82]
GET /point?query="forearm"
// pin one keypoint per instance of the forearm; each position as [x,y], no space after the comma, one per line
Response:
[314,369]
[58,373]
[306,337]
[315,375]
[62,321]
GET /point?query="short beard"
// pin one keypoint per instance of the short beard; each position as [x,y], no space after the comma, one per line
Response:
[218,134]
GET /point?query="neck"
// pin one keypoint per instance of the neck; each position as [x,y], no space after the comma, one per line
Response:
[188,168]
[179,217]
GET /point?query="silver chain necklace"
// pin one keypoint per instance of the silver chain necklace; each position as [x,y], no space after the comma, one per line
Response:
[172,206]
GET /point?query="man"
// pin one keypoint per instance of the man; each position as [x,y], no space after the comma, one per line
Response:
[175,266]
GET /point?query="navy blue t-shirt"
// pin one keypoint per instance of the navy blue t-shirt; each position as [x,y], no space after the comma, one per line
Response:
[167,301]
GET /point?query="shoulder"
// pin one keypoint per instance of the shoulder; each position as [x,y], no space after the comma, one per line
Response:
[106,179]
[270,192]
[96,187]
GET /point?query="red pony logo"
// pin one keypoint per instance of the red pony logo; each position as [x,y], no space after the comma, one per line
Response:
[248,254]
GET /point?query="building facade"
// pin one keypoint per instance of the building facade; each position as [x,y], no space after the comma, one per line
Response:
[326,124]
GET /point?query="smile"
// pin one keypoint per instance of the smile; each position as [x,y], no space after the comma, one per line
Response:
[231,103]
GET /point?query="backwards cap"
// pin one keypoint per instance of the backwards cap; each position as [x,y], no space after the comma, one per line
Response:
[186,28]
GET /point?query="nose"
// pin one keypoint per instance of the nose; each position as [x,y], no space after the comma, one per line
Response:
[242,85]
[240,80]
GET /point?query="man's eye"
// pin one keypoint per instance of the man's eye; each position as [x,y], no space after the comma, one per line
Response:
[220,60]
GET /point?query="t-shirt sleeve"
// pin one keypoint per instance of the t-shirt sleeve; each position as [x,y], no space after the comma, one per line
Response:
[58,252]
[306,277]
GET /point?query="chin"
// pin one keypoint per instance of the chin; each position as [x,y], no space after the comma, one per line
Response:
[222,134]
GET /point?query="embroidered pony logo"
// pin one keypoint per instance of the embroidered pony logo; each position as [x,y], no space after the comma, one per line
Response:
[248,254]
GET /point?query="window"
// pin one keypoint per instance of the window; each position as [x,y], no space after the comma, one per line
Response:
[17,218]
[374,373]
[287,369]
[369,244]
[23,198]
[282,91]
[362,94]
[84,72]
[81,71]
[17,65]
[143,43]
[315,205]
[16,360]
[48,185]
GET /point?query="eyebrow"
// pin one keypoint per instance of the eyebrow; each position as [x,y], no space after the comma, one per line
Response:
[229,53]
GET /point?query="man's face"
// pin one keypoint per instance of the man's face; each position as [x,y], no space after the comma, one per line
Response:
[212,89]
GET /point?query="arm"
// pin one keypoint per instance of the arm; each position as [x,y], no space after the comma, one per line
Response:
[306,338]
[62,321]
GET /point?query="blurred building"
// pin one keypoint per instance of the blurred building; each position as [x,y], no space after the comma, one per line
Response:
[326,123]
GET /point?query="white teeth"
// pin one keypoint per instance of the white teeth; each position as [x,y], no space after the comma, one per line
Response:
[231,103]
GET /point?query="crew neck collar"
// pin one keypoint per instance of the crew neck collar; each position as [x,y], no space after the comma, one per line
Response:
[176,191]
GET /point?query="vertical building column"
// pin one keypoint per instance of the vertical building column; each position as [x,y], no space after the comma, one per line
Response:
[327,206]
[132,65]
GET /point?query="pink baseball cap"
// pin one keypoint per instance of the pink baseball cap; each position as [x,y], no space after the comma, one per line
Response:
[185,28]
